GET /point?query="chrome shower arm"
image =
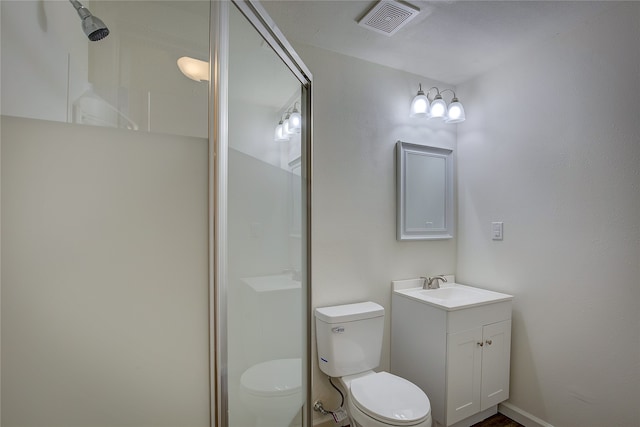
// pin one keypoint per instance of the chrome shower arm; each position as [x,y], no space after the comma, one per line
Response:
[83,12]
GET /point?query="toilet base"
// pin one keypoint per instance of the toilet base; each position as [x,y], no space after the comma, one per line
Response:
[359,419]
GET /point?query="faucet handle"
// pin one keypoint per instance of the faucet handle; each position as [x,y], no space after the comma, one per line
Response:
[431,280]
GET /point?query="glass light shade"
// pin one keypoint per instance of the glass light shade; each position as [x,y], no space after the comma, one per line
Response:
[456,112]
[438,108]
[194,68]
[280,135]
[295,122]
[285,126]
[419,105]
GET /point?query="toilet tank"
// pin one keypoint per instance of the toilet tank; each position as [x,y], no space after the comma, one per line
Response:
[349,338]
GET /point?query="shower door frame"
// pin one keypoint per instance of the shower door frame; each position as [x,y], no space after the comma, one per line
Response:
[255,13]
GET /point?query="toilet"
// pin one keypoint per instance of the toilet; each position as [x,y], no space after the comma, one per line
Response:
[272,391]
[349,342]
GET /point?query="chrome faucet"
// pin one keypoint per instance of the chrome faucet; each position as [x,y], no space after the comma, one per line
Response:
[432,282]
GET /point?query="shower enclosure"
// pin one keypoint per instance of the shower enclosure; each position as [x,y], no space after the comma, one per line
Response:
[154,231]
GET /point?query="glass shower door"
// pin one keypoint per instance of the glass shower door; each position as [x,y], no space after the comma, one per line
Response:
[266,237]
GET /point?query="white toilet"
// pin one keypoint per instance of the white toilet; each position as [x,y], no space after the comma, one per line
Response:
[272,391]
[349,339]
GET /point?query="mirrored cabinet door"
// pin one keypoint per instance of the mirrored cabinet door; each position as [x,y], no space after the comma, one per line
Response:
[424,192]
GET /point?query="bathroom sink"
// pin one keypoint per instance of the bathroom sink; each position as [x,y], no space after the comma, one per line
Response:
[449,293]
[453,296]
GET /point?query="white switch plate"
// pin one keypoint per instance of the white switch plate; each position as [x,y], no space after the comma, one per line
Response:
[496,230]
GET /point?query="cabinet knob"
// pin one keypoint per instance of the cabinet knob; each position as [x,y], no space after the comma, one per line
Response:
[488,342]
[480,343]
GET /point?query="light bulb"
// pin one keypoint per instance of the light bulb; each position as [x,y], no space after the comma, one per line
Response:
[419,105]
[279,134]
[285,125]
[456,112]
[295,121]
[438,108]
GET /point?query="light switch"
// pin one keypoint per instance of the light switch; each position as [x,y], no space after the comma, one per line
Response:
[496,230]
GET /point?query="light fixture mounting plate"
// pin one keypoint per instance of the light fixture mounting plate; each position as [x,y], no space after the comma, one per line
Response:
[388,16]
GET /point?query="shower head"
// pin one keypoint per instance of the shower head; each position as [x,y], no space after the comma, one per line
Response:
[92,26]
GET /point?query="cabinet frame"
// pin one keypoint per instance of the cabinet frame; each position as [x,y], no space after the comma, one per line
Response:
[420,347]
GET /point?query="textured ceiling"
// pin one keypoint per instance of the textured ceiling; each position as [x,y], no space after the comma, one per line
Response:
[450,41]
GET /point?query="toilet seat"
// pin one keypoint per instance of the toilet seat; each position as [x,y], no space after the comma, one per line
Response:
[279,377]
[390,399]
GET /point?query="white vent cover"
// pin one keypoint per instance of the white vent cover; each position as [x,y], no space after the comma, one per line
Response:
[388,16]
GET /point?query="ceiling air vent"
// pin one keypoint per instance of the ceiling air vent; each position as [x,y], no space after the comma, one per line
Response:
[388,16]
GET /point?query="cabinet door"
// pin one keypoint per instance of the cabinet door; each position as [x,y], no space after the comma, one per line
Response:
[495,363]
[464,359]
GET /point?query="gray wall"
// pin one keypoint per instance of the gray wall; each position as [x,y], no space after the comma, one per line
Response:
[551,146]
[563,179]
[360,111]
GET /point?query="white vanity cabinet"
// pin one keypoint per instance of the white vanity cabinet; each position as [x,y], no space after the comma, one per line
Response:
[459,357]
[477,369]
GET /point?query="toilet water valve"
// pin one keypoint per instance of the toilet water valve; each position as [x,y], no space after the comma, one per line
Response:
[338,415]
[317,406]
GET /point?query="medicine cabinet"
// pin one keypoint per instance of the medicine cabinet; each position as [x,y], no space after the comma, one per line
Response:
[424,192]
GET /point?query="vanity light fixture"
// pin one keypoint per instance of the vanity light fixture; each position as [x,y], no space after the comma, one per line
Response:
[423,106]
[291,124]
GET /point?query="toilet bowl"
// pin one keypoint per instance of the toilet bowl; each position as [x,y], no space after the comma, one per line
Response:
[383,400]
[349,344]
[272,391]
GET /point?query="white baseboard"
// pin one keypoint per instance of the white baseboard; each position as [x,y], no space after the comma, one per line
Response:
[510,410]
[521,416]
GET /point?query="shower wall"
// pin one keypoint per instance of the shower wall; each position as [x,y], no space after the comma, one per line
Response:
[48,64]
[104,277]
[105,269]
[44,59]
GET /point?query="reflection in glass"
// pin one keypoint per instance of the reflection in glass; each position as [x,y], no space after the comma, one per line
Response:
[266,288]
[425,191]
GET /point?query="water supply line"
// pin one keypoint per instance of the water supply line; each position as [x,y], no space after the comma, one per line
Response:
[339,414]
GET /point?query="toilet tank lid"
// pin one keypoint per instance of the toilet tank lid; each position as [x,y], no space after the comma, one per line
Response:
[349,312]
